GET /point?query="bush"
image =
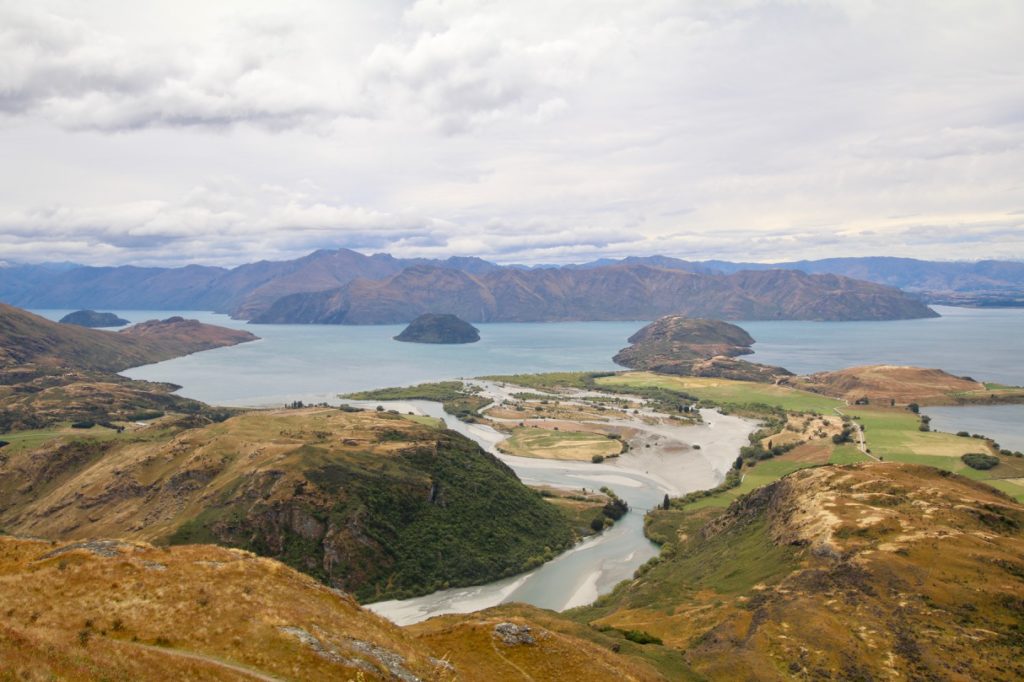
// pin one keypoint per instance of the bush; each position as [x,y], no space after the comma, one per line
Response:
[978,460]
[641,637]
[914,407]
[83,424]
[597,524]
[597,459]
[963,434]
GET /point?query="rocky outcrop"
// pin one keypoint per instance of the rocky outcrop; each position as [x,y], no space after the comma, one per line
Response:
[431,328]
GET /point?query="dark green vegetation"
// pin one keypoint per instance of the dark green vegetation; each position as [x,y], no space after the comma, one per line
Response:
[371,502]
[431,328]
[455,396]
[91,318]
[978,460]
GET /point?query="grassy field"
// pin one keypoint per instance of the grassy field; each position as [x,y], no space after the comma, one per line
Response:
[726,391]
[570,445]
[847,454]
[764,473]
[546,381]
[894,435]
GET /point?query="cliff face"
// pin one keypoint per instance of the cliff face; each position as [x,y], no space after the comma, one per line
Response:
[622,292]
[432,328]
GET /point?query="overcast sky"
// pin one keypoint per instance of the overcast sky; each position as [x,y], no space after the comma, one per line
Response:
[526,131]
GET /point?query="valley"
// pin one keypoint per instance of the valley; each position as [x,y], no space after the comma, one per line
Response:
[365,498]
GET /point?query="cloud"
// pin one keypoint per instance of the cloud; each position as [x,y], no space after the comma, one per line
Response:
[532,131]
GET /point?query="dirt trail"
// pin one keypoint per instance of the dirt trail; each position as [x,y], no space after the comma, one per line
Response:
[248,673]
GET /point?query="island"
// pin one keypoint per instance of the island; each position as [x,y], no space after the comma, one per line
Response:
[92,319]
[433,328]
[676,344]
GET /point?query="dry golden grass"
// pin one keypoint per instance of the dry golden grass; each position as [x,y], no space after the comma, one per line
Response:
[565,445]
[882,384]
[182,613]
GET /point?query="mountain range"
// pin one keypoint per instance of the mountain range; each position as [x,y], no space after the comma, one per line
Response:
[250,291]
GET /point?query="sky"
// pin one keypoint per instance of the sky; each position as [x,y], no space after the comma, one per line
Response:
[534,131]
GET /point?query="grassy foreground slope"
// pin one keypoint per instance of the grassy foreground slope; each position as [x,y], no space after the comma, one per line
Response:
[125,611]
[871,571]
[374,503]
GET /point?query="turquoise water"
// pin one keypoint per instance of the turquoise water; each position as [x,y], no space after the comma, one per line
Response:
[315,362]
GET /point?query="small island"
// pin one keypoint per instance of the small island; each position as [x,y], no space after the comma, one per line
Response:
[93,319]
[432,328]
[675,344]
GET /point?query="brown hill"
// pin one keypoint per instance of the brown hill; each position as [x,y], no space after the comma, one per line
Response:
[103,609]
[676,344]
[623,292]
[369,502]
[886,383]
[27,339]
[873,571]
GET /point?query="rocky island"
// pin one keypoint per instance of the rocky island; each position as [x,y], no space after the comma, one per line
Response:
[675,344]
[91,318]
[431,328]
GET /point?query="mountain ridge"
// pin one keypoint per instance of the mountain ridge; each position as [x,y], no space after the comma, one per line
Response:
[608,293]
[249,289]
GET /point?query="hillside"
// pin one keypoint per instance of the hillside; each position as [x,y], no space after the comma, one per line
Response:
[430,328]
[373,503]
[609,293]
[873,571]
[52,373]
[105,609]
[882,384]
[27,339]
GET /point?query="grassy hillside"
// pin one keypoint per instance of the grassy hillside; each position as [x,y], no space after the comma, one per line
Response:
[836,572]
[374,503]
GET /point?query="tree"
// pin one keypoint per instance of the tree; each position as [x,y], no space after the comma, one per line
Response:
[665,502]
[914,407]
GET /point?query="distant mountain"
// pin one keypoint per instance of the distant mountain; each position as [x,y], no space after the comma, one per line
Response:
[243,291]
[619,292]
[248,291]
[987,282]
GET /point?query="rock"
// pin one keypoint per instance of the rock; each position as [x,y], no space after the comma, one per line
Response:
[431,328]
[91,318]
[513,634]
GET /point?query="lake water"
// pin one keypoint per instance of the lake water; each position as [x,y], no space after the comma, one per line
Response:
[1002,423]
[315,362]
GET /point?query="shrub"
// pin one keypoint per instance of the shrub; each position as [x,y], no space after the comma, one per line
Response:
[597,524]
[978,460]
[641,637]
[83,424]
[963,434]
[597,459]
[914,407]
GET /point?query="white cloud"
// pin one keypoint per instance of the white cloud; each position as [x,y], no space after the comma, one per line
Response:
[533,131]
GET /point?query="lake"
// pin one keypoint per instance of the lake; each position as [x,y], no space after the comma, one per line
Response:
[316,362]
